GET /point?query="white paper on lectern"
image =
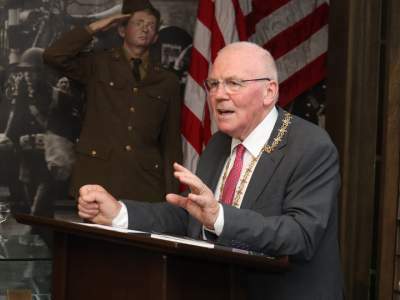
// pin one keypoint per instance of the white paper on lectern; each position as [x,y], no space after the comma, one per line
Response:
[109,228]
[182,240]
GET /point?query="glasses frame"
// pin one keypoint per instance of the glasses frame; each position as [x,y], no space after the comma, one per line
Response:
[223,82]
[141,24]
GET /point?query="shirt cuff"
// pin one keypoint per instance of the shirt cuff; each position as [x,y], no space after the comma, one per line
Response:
[218,225]
[219,222]
[121,220]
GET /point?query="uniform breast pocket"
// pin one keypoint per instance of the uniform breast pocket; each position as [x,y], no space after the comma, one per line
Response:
[156,100]
[112,88]
[93,163]
[152,108]
[151,166]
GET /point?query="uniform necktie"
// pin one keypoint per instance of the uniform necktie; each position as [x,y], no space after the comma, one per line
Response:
[135,70]
[233,177]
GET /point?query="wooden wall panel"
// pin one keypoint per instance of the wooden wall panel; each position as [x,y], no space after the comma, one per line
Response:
[352,121]
[388,264]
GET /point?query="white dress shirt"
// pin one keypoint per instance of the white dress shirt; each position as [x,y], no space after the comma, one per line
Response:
[254,143]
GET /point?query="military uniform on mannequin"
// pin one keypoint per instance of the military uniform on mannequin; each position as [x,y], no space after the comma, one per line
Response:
[131,129]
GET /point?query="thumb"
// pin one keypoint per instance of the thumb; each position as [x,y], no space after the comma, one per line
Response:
[177,200]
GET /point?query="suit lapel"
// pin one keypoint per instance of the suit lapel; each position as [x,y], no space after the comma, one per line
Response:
[265,167]
[210,173]
[215,161]
[219,165]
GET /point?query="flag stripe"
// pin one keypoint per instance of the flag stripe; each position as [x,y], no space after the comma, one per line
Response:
[206,124]
[303,54]
[217,40]
[194,98]
[284,17]
[201,41]
[299,32]
[198,71]
[191,126]
[225,18]
[205,13]
[262,8]
[191,156]
[240,21]
[302,80]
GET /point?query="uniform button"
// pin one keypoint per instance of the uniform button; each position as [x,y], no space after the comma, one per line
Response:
[111,83]
[135,90]
[93,152]
[128,148]
[130,128]
[132,109]
[156,166]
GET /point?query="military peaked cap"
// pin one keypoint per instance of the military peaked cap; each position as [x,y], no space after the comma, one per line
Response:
[131,6]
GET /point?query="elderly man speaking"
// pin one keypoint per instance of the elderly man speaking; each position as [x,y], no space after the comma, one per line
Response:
[267,181]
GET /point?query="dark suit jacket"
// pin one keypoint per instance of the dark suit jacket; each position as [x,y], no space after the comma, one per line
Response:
[131,130]
[289,208]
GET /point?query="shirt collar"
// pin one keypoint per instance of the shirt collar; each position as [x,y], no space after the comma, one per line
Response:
[144,57]
[260,135]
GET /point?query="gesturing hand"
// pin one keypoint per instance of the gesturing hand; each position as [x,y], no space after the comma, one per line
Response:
[97,205]
[200,203]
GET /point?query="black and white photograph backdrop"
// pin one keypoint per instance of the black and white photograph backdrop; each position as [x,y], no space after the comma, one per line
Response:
[41,112]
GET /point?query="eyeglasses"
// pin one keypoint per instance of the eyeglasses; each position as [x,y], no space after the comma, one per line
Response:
[142,24]
[230,85]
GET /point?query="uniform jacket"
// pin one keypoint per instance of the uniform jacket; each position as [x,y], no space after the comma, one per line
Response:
[289,208]
[131,130]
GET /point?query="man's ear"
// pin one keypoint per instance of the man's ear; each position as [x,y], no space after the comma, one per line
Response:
[121,31]
[271,92]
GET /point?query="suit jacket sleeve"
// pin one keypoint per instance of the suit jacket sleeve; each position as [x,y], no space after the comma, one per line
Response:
[65,55]
[307,204]
[157,217]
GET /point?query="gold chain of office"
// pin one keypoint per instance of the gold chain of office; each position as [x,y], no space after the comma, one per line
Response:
[266,148]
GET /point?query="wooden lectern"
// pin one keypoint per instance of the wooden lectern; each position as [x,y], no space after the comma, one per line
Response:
[95,263]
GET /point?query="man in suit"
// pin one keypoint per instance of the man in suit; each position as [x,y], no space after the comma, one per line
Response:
[267,181]
[131,129]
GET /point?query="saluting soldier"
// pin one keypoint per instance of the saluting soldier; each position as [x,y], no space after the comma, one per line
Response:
[131,129]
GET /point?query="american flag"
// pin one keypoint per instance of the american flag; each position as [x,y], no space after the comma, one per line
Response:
[294,31]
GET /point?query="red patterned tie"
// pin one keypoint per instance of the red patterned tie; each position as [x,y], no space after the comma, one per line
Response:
[233,177]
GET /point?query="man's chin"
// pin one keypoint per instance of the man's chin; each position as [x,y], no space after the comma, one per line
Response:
[226,129]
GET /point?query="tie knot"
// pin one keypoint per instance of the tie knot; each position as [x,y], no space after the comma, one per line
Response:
[240,150]
[136,61]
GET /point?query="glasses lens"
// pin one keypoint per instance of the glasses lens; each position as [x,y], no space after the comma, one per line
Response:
[211,85]
[233,85]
